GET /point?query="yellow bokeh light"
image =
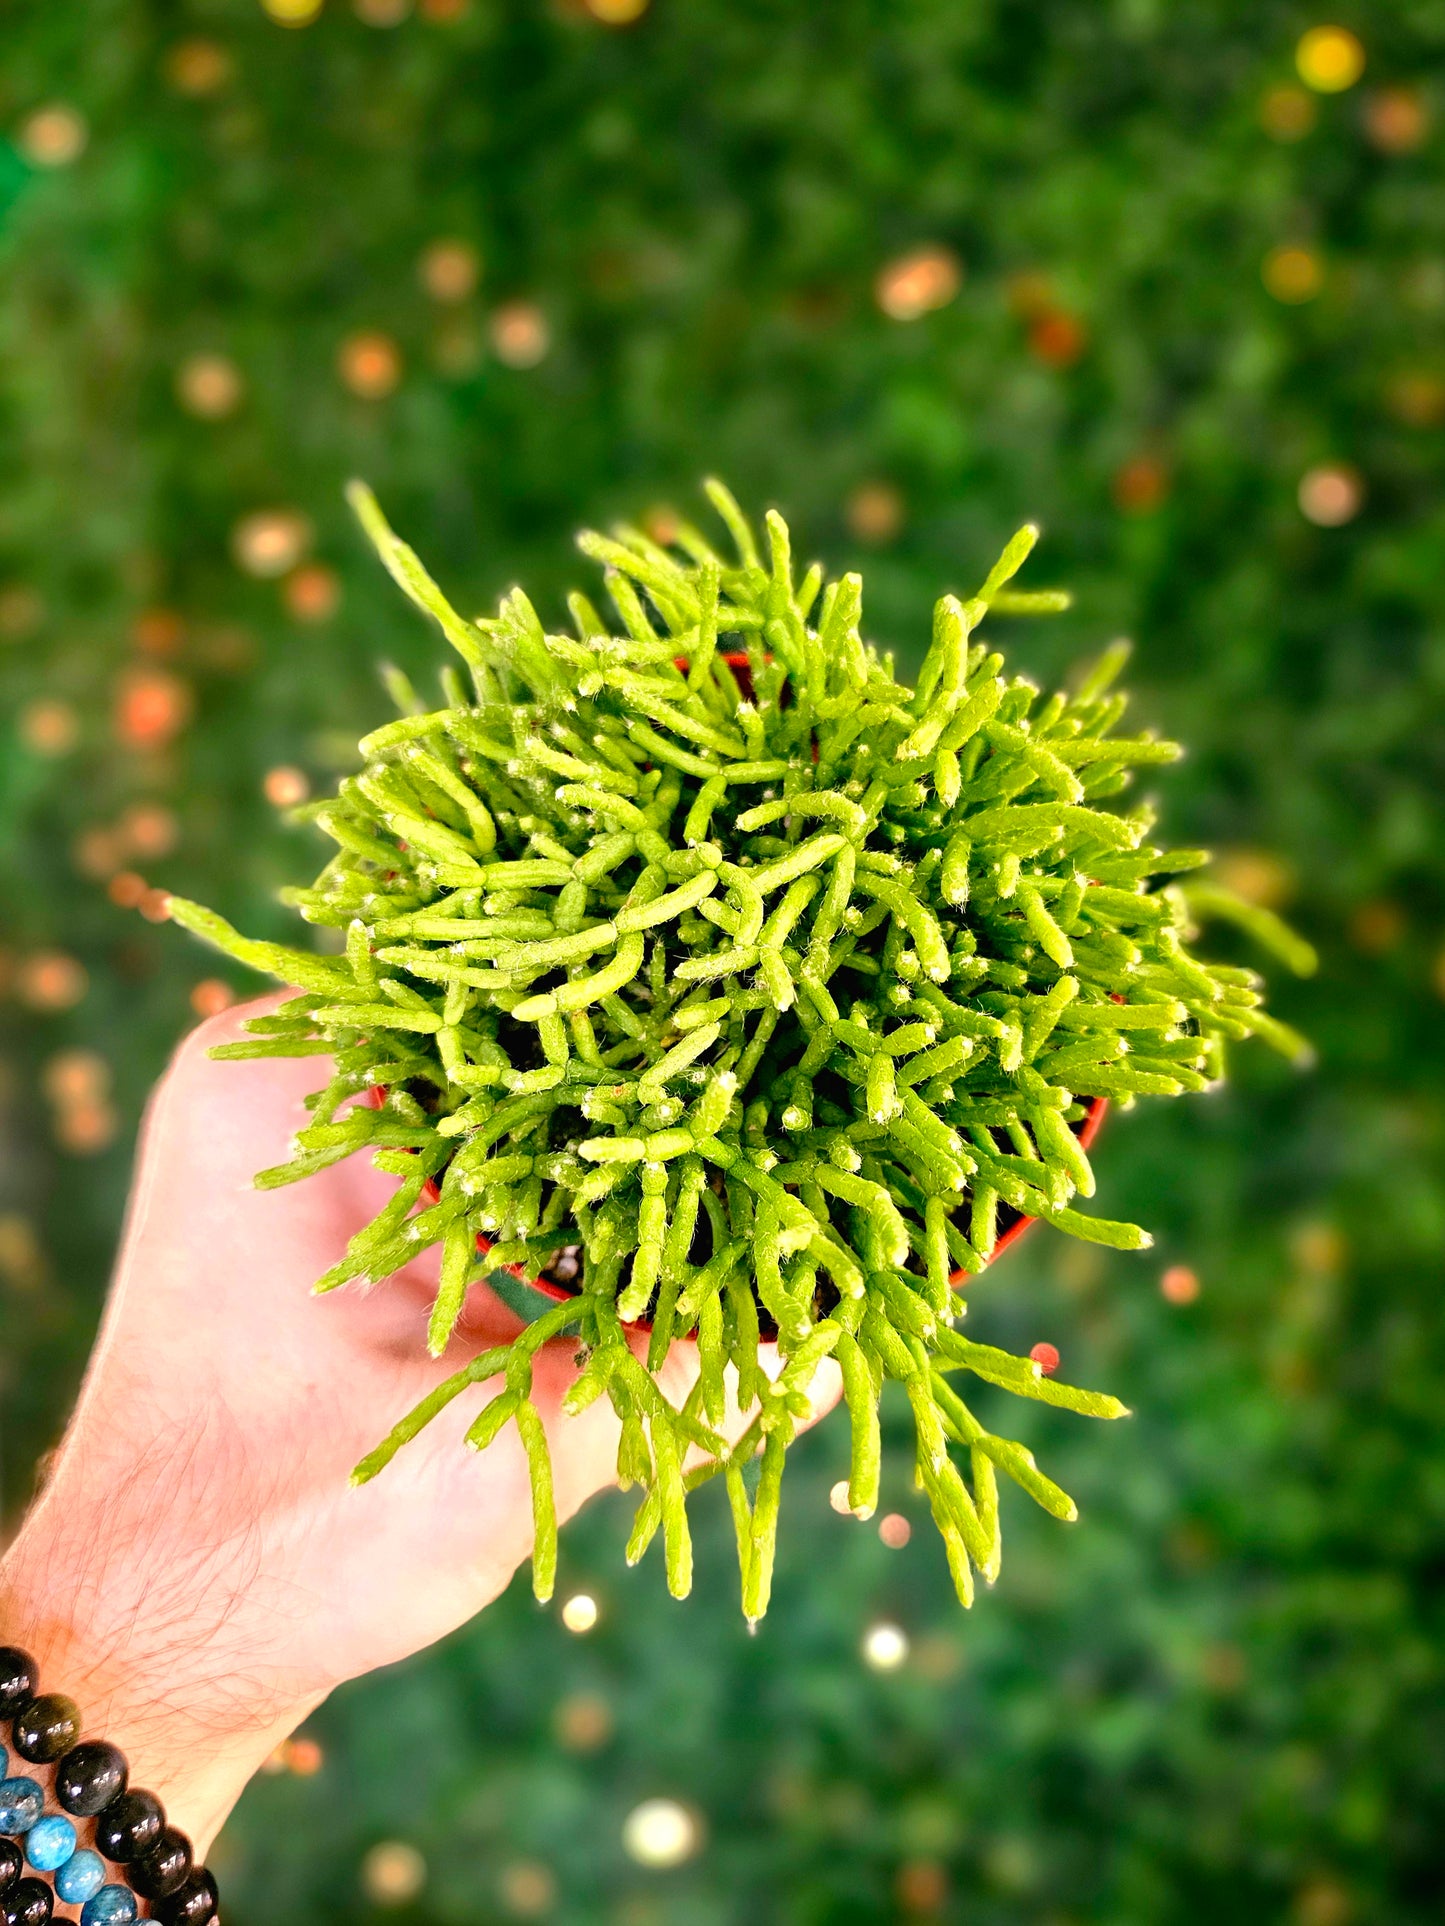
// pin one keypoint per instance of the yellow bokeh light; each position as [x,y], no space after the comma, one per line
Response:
[292,13]
[1293,274]
[1329,59]
[616,13]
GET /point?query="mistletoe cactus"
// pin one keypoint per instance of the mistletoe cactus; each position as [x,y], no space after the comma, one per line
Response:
[699,967]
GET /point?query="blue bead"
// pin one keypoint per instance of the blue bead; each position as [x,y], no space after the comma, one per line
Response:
[112,1906]
[21,1804]
[50,1843]
[81,1877]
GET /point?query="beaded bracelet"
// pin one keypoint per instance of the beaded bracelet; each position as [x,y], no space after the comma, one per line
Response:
[91,1782]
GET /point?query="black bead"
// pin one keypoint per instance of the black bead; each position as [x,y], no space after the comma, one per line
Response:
[18,1679]
[89,1777]
[196,1903]
[28,1904]
[46,1728]
[12,1864]
[129,1826]
[165,1868]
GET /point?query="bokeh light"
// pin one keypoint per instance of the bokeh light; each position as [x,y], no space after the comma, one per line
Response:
[1329,59]
[149,829]
[370,364]
[1057,338]
[1377,927]
[1331,495]
[22,1260]
[127,888]
[50,980]
[1293,274]
[49,727]
[528,1889]
[520,334]
[1141,485]
[158,631]
[1179,1284]
[885,1646]
[312,593]
[921,1886]
[98,852]
[1318,1246]
[616,13]
[152,707]
[198,67]
[1416,397]
[285,786]
[53,136]
[582,1722]
[209,386]
[271,542]
[211,996]
[918,283]
[450,270]
[894,1530]
[874,512]
[75,1076]
[661,1833]
[1397,120]
[292,13]
[393,1873]
[86,1129]
[304,1757]
[579,1613]
[1258,875]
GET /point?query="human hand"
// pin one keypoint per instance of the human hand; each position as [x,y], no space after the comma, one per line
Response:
[198,1572]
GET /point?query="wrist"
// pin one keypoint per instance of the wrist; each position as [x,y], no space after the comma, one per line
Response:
[194,1724]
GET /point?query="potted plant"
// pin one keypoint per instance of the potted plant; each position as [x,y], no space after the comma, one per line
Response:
[700,969]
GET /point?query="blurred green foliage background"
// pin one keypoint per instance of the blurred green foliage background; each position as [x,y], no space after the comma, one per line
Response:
[1156,272]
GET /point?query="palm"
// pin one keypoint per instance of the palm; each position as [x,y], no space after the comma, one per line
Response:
[282,1392]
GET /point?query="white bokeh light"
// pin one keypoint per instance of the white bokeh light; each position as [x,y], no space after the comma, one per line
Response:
[660,1832]
[579,1613]
[885,1647]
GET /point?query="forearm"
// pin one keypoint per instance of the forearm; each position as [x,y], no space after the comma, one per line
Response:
[130,1633]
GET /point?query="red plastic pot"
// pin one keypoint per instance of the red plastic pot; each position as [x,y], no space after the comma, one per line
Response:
[1088,1130]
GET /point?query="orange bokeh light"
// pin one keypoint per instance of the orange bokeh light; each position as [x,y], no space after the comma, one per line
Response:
[152,707]
[1057,338]
[210,996]
[918,282]
[370,364]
